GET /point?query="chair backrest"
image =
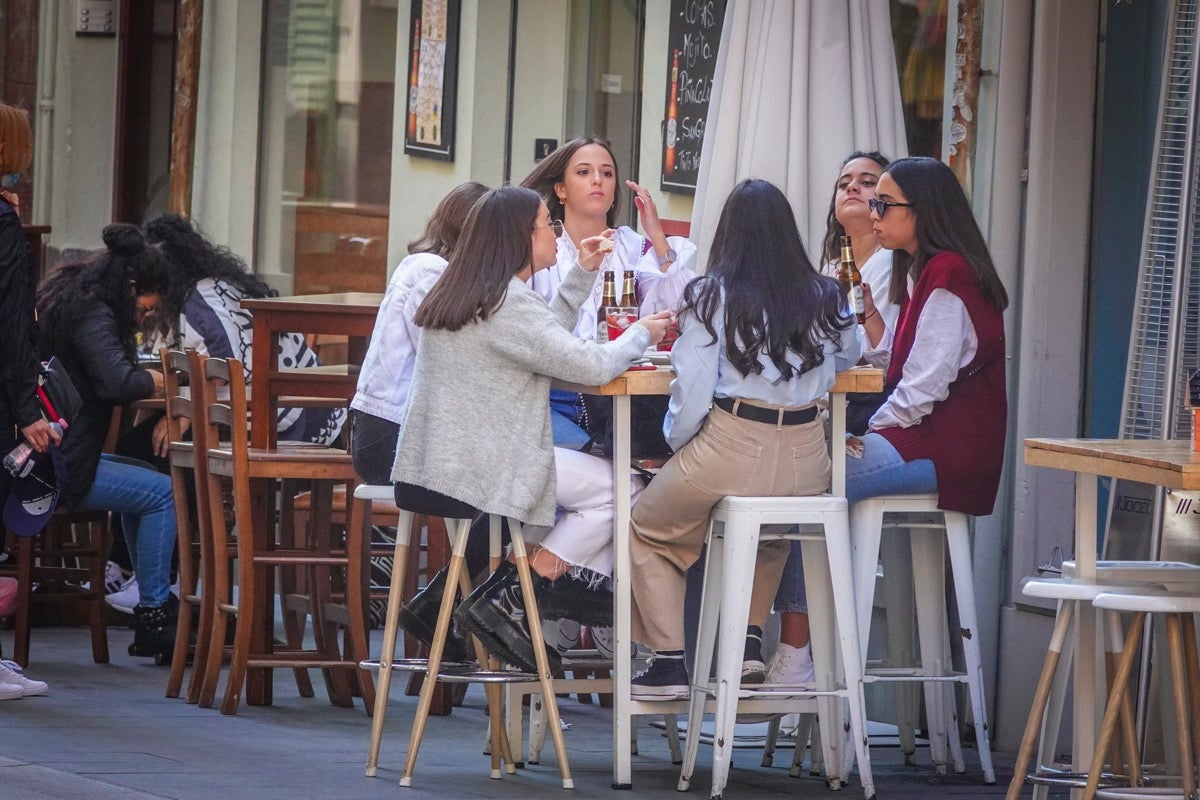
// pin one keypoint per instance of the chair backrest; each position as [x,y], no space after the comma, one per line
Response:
[177,371]
[225,376]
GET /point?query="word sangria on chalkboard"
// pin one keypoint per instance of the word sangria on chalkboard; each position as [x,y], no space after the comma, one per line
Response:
[693,37]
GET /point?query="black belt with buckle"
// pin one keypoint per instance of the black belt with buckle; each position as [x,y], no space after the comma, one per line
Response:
[768,415]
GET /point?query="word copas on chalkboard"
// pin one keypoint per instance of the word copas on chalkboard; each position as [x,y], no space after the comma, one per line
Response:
[694,35]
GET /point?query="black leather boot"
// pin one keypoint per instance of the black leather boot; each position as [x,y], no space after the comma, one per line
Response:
[494,613]
[154,630]
[419,618]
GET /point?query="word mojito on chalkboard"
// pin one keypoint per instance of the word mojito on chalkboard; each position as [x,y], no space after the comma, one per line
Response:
[693,37]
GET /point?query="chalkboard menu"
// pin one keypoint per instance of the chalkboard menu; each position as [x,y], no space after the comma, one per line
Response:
[693,38]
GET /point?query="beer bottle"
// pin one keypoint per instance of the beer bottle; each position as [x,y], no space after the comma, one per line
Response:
[607,301]
[672,136]
[851,280]
[629,290]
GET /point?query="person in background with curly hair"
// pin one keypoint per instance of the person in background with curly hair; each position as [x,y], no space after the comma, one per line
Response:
[204,309]
[88,318]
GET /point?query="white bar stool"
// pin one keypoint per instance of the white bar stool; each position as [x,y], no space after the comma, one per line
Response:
[1075,597]
[1179,609]
[928,573]
[733,537]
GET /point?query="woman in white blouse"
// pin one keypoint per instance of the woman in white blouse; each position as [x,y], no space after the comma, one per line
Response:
[579,183]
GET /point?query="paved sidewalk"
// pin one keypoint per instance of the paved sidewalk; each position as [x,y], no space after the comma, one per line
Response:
[106,731]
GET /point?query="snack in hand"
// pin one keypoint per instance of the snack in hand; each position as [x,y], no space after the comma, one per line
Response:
[606,245]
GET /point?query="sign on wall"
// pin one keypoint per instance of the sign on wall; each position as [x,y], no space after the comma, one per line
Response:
[693,36]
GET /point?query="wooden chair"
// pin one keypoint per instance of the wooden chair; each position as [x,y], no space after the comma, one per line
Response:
[249,470]
[70,552]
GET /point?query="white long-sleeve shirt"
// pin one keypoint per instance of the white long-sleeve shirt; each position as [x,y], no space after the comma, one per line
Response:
[945,342]
[703,371]
[627,256]
[387,370]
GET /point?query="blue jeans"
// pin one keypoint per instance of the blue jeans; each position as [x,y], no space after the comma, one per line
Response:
[880,471]
[142,496]
[566,409]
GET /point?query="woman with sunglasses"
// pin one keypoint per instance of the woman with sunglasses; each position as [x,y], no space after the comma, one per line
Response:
[943,424]
[579,183]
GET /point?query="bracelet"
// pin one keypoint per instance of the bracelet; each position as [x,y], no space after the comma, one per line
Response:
[874,311]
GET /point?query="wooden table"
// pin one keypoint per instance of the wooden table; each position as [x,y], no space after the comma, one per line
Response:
[350,314]
[1168,463]
[658,381]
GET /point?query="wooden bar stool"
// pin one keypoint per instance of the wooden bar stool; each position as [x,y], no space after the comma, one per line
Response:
[1074,597]
[1179,609]
[248,470]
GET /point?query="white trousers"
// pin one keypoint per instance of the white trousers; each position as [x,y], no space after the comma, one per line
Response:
[583,535]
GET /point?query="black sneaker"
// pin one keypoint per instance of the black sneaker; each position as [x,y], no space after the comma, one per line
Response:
[495,614]
[753,668]
[577,599]
[663,679]
[419,618]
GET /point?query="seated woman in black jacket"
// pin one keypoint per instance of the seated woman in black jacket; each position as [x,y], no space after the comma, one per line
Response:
[88,315]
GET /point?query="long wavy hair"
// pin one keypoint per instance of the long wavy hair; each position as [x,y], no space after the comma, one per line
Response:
[831,249]
[553,168]
[445,226]
[115,277]
[496,244]
[944,222]
[775,301]
[191,258]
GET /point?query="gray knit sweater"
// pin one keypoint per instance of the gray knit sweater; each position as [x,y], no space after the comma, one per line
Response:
[477,425]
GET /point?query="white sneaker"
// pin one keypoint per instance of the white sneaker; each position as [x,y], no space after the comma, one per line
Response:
[114,577]
[10,691]
[561,635]
[126,598]
[10,675]
[791,666]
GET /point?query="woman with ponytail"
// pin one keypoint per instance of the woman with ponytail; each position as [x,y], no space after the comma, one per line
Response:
[88,317]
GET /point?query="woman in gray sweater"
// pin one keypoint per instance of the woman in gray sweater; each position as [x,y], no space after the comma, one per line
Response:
[477,434]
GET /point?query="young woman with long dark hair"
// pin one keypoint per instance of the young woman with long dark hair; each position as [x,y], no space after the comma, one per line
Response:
[580,184]
[477,435]
[89,315]
[762,336]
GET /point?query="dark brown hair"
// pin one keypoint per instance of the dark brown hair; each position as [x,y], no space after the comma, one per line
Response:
[496,244]
[553,169]
[445,226]
[944,223]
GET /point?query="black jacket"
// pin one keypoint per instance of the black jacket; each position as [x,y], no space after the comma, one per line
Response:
[105,376]
[18,355]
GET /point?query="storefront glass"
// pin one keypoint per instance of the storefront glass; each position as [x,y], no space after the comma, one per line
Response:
[326,142]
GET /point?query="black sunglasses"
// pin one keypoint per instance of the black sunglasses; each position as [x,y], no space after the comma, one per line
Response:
[880,207]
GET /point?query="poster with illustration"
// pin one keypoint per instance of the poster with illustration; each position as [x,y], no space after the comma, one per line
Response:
[432,79]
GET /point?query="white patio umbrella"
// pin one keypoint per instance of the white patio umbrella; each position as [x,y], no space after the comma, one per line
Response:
[799,84]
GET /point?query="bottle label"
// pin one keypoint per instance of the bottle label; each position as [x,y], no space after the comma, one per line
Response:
[671,133]
[855,299]
[602,328]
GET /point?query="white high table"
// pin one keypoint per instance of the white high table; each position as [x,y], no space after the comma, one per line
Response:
[650,382]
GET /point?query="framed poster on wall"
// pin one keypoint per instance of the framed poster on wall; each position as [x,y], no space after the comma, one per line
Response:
[432,79]
[693,36]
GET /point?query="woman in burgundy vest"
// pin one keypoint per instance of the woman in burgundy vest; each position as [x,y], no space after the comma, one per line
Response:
[942,428]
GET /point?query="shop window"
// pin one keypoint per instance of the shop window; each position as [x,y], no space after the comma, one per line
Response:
[919,34]
[326,143]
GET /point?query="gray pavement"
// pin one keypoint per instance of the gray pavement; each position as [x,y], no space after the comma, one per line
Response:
[106,731]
